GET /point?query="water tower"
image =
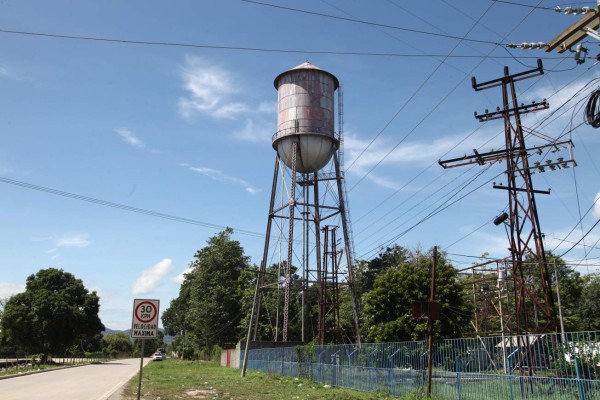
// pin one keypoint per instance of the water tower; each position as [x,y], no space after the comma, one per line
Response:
[306,211]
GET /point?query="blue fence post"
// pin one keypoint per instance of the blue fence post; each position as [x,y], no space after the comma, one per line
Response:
[351,368]
[510,384]
[391,371]
[336,364]
[458,376]
[321,366]
[350,357]
[370,369]
[579,383]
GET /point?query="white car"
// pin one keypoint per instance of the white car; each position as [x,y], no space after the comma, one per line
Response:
[157,357]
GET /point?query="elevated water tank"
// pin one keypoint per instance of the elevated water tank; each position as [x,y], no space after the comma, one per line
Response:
[306,110]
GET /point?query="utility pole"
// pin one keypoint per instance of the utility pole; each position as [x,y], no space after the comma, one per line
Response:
[430,323]
[525,235]
[560,316]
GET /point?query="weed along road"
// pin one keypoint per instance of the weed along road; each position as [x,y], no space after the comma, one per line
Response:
[89,382]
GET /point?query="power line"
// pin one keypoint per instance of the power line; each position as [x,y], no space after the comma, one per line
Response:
[523,5]
[236,48]
[540,123]
[360,21]
[439,103]
[124,207]
[579,241]
[446,204]
[438,210]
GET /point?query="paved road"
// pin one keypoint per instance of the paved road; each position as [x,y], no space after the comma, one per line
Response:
[90,382]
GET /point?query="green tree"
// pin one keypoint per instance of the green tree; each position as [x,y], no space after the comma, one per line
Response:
[2,303]
[150,345]
[368,271]
[570,284]
[589,308]
[54,313]
[387,313]
[174,318]
[118,343]
[209,301]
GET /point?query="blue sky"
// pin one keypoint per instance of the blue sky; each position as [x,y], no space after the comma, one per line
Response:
[186,131]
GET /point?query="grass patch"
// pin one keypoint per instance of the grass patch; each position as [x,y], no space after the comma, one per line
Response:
[176,379]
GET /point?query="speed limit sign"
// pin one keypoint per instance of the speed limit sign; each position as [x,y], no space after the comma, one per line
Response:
[144,324]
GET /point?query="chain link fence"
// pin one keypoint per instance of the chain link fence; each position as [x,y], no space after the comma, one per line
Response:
[555,366]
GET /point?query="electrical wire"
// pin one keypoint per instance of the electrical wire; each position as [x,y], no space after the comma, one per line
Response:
[547,118]
[235,48]
[592,110]
[359,21]
[439,209]
[438,104]
[524,5]
[435,107]
[124,207]
[579,241]
[176,44]
[555,112]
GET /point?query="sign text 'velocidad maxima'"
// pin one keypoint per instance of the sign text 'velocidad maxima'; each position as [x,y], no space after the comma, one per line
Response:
[144,323]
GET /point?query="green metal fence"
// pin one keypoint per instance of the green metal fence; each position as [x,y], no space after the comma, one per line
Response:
[548,366]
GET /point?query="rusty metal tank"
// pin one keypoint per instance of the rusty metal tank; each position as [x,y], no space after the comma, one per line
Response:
[306,110]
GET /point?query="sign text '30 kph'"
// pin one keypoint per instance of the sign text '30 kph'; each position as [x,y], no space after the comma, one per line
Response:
[144,324]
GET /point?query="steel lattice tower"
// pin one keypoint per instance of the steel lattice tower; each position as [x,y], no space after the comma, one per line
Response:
[532,285]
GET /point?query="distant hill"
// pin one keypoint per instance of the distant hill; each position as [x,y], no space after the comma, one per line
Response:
[168,339]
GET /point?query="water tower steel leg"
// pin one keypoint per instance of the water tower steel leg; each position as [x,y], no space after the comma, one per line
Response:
[304,271]
[263,264]
[318,248]
[347,249]
[322,288]
[288,267]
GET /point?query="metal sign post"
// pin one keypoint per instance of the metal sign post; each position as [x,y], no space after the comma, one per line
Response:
[144,325]
[141,366]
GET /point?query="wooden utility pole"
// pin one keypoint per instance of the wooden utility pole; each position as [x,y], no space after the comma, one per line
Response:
[430,322]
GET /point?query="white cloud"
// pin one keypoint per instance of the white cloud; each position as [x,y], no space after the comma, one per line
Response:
[6,72]
[253,132]
[267,107]
[129,137]
[73,241]
[597,206]
[252,190]
[152,277]
[181,277]
[230,110]
[9,289]
[384,153]
[574,91]
[221,177]
[210,89]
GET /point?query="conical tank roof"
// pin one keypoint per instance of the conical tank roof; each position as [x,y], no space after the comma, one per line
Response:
[308,66]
